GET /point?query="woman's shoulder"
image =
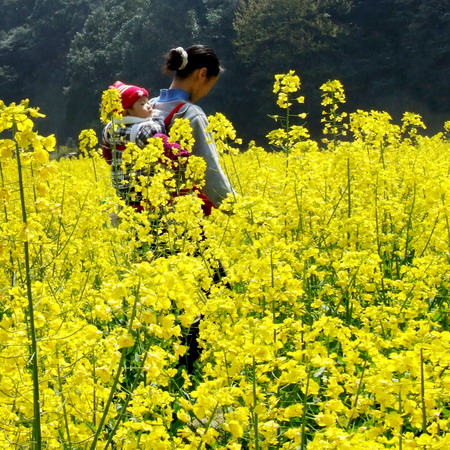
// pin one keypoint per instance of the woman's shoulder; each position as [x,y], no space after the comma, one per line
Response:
[190,110]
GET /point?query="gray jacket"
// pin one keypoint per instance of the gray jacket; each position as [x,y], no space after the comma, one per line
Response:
[217,185]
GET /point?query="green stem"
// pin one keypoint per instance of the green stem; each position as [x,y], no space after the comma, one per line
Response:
[335,134]
[11,259]
[274,311]
[126,402]
[447,222]
[288,125]
[430,236]
[349,195]
[209,424]
[227,173]
[63,400]
[255,402]
[422,393]
[400,410]
[300,209]
[2,177]
[114,154]
[448,230]
[95,168]
[110,398]
[116,378]
[305,404]
[409,225]
[94,399]
[357,394]
[36,433]
[236,174]
[379,230]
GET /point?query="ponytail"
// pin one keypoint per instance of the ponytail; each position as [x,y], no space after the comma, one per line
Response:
[183,62]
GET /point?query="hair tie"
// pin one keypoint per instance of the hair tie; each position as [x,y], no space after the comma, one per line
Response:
[184,57]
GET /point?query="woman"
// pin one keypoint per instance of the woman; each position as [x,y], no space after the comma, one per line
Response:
[196,70]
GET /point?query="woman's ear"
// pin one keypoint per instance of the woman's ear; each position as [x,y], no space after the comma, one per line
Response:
[203,73]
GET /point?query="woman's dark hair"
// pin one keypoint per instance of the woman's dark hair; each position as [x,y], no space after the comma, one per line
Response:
[198,56]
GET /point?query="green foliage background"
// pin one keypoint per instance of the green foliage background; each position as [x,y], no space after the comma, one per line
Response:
[392,55]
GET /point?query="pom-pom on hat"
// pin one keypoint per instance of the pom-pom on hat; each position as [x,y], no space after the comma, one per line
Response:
[130,94]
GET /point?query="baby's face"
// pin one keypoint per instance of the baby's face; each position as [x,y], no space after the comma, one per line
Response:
[141,108]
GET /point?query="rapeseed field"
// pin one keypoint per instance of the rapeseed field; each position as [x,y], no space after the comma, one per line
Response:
[322,287]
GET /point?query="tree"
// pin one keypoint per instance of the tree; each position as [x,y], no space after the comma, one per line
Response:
[127,41]
[16,51]
[425,40]
[398,58]
[93,61]
[275,37]
[369,67]
[280,32]
[33,50]
[14,12]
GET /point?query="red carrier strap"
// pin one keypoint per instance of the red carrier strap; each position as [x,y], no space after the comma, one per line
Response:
[168,119]
[107,152]
[207,205]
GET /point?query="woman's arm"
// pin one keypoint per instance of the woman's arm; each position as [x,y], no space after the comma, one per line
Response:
[217,185]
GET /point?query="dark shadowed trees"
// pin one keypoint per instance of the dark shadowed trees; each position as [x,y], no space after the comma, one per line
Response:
[390,54]
[274,37]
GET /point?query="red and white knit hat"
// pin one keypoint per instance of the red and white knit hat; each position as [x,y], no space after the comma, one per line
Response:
[130,94]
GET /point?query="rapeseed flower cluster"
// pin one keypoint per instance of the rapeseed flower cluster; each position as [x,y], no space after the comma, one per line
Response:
[333,94]
[286,84]
[328,325]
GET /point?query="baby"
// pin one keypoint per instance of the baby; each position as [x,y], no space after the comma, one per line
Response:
[139,122]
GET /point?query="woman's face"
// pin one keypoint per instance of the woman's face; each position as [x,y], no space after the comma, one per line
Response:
[203,85]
